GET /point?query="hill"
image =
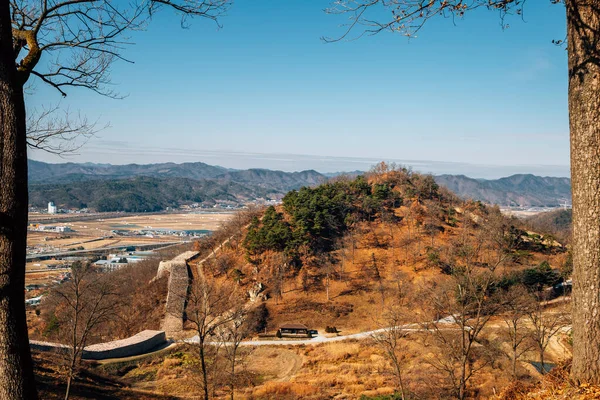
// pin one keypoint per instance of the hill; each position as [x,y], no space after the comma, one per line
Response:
[141,194]
[45,173]
[41,172]
[516,190]
[154,187]
[353,255]
[557,222]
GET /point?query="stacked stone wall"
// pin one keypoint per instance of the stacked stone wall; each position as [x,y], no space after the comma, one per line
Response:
[140,343]
[179,278]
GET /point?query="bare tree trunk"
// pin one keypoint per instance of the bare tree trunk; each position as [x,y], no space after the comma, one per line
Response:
[462,389]
[399,374]
[583,30]
[74,344]
[204,371]
[232,381]
[16,369]
[68,391]
[514,363]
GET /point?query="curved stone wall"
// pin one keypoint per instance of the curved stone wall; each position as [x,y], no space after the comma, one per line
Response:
[137,344]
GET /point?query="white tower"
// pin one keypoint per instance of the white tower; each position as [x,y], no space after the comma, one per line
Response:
[52,209]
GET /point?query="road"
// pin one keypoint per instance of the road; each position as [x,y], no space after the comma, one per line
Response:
[45,256]
[318,339]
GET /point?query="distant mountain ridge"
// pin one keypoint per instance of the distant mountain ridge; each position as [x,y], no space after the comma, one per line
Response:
[44,173]
[154,187]
[64,184]
[143,194]
[516,190]
[40,172]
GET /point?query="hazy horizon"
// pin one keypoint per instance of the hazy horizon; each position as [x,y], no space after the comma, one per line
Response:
[322,164]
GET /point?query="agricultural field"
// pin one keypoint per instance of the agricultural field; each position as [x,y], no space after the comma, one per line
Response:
[108,231]
[128,230]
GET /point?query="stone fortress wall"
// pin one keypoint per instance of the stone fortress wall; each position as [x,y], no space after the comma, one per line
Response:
[179,276]
[140,343]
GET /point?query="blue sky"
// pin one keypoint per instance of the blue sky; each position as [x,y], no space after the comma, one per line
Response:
[467,97]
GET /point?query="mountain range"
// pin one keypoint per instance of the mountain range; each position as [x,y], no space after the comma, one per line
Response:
[516,190]
[153,187]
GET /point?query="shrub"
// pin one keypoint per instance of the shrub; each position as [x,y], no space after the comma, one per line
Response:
[258,318]
[541,276]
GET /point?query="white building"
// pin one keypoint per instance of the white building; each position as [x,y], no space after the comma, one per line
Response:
[52,209]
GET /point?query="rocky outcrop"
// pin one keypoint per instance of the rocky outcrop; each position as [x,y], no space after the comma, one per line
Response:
[255,292]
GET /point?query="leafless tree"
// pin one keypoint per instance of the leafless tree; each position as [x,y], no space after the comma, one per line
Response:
[375,272]
[59,131]
[346,246]
[516,303]
[210,307]
[65,44]
[87,300]
[545,325]
[389,339]
[461,310]
[432,222]
[231,336]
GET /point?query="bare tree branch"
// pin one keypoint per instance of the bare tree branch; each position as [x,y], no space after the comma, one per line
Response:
[74,43]
[58,131]
[407,17]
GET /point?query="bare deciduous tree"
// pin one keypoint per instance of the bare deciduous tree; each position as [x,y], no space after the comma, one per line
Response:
[516,303]
[85,301]
[466,307]
[210,307]
[389,339]
[545,325]
[231,336]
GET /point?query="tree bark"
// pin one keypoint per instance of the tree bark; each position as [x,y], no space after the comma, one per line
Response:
[203,367]
[514,363]
[583,33]
[16,369]
[232,378]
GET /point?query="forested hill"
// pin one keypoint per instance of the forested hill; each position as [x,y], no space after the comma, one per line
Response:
[154,187]
[515,190]
[40,172]
[141,194]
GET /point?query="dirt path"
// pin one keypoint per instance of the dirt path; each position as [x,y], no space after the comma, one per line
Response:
[278,364]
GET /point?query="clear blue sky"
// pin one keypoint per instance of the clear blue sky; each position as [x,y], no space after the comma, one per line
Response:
[265,83]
